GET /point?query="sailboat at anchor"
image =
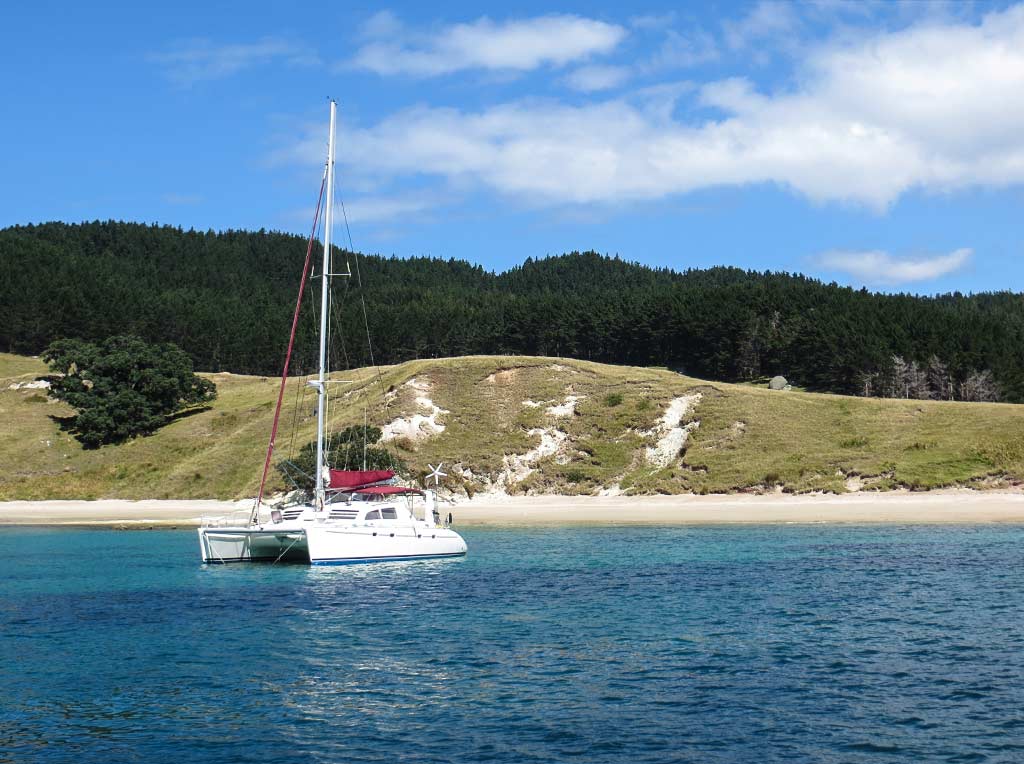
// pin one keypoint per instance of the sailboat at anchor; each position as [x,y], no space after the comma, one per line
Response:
[355,516]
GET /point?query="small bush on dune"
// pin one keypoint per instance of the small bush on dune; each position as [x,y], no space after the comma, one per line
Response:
[574,475]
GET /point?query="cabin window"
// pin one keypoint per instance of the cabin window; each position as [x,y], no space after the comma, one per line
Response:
[389,514]
[374,515]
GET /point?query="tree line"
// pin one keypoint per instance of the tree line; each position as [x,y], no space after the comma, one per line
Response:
[226,299]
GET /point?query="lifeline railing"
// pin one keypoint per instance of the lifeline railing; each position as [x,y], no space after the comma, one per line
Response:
[238,518]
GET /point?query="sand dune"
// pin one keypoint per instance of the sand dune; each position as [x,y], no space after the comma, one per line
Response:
[953,506]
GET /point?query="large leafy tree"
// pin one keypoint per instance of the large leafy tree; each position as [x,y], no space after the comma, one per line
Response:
[123,386]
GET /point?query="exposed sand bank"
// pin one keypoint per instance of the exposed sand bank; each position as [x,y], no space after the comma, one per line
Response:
[953,506]
[160,512]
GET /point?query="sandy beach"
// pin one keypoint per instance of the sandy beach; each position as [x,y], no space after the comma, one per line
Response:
[952,506]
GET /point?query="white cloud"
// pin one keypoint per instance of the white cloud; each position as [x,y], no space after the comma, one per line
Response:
[382,24]
[767,20]
[196,60]
[681,51]
[653,21]
[784,26]
[674,51]
[372,211]
[878,267]
[560,153]
[513,45]
[588,79]
[378,209]
[935,106]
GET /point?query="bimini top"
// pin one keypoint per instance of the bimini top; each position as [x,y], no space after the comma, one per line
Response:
[348,479]
[389,490]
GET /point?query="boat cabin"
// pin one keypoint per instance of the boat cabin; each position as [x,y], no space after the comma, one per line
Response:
[381,503]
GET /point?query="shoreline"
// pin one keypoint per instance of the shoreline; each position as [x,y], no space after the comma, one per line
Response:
[950,506]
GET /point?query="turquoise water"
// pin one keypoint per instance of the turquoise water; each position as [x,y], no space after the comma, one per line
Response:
[758,644]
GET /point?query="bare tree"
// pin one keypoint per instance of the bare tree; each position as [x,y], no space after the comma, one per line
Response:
[940,382]
[894,382]
[916,384]
[866,383]
[907,379]
[979,386]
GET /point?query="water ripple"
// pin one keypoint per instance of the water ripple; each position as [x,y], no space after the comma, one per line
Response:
[796,643]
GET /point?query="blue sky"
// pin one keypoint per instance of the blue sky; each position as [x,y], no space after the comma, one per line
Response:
[877,144]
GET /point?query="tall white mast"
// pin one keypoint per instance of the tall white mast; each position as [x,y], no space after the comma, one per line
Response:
[324,297]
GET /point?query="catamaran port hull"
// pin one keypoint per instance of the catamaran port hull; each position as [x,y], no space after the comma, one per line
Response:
[251,545]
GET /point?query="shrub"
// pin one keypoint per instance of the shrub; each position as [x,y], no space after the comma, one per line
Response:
[613,399]
[574,475]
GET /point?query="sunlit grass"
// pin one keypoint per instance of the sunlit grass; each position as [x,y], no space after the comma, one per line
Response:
[748,439]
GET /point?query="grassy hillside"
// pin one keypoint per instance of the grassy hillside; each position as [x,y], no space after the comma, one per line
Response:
[527,424]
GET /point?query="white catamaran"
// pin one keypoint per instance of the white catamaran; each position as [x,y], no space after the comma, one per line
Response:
[354,516]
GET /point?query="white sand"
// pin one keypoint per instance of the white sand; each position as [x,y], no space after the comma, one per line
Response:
[112,512]
[954,506]
[417,426]
[671,435]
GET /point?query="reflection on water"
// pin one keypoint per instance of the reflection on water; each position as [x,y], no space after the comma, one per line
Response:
[789,643]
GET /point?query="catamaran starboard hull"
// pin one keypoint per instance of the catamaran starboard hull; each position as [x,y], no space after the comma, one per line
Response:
[347,546]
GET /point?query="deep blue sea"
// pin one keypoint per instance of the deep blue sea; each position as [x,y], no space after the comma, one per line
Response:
[717,644]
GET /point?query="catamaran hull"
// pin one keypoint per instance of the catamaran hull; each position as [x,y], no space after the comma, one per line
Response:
[245,545]
[348,546]
[329,546]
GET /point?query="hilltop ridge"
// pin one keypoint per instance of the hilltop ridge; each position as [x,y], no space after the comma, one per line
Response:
[227,298]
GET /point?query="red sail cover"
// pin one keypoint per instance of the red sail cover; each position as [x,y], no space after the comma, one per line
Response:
[341,479]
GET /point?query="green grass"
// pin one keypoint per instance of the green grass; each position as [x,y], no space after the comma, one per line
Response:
[748,438]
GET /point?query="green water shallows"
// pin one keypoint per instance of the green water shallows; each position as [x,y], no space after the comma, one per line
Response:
[757,644]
